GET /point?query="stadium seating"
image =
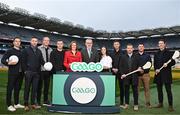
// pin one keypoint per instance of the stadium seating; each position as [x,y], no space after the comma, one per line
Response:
[7,31]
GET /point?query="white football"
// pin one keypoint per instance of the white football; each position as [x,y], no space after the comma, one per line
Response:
[14,58]
[48,66]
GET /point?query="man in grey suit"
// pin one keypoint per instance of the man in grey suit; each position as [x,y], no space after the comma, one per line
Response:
[89,54]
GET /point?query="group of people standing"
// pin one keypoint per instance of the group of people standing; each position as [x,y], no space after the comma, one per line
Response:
[129,61]
[31,61]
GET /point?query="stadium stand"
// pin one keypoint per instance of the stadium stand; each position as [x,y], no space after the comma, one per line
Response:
[10,32]
[19,22]
[14,22]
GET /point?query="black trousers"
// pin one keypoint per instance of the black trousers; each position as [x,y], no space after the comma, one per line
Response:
[43,82]
[14,84]
[135,94]
[31,82]
[121,88]
[168,91]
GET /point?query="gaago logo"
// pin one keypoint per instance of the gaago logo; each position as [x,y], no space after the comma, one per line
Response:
[82,66]
[83,90]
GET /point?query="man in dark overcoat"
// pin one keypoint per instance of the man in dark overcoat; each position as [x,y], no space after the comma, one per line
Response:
[163,77]
[130,62]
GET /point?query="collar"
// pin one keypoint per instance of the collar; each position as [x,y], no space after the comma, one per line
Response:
[72,52]
[16,48]
[59,50]
[45,47]
[33,47]
[116,51]
[141,53]
[130,55]
[89,49]
[162,50]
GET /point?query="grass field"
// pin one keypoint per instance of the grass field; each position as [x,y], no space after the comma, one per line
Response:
[142,109]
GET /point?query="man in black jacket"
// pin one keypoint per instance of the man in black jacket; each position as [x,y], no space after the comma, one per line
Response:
[116,57]
[15,74]
[130,62]
[57,57]
[89,54]
[32,61]
[165,75]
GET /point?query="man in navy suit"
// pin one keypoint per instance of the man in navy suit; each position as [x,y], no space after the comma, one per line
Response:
[89,54]
[128,63]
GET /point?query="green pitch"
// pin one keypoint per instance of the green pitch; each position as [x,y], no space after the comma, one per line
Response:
[142,108]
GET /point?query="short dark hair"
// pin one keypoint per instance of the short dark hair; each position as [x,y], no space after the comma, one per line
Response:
[129,44]
[60,41]
[116,41]
[16,38]
[163,40]
[33,37]
[141,44]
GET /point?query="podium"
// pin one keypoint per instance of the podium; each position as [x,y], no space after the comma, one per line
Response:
[83,92]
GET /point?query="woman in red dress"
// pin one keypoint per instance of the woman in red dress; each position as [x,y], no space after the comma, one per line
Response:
[72,55]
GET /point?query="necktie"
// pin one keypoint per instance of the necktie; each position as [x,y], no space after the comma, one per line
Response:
[129,63]
[46,49]
[89,53]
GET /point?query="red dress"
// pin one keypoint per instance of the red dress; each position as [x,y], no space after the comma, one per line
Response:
[69,58]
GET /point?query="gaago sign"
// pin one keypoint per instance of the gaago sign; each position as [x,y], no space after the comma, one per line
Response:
[82,67]
[83,90]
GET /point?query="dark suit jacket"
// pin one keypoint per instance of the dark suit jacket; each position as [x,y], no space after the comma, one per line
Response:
[31,60]
[94,56]
[116,57]
[165,75]
[124,69]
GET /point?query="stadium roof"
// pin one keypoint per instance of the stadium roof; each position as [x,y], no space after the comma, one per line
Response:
[38,21]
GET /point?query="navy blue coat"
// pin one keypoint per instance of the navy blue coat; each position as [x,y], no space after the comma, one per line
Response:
[124,69]
[32,61]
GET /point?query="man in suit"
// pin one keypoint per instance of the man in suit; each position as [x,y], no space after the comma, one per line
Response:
[15,75]
[165,75]
[32,61]
[130,62]
[116,57]
[89,54]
